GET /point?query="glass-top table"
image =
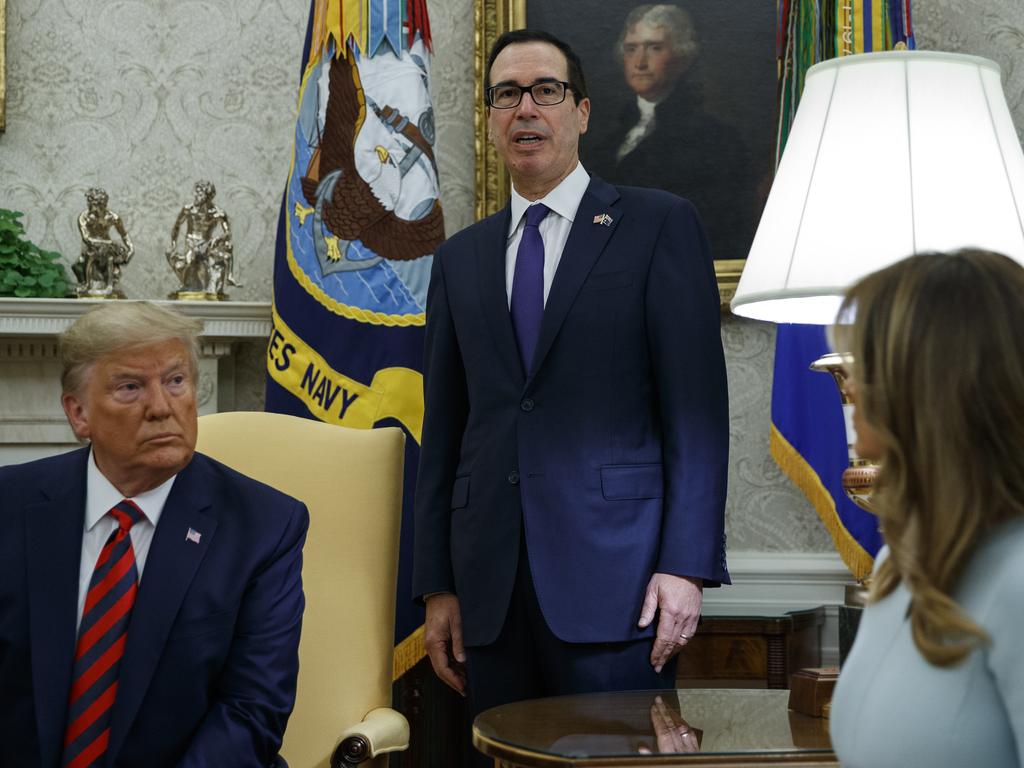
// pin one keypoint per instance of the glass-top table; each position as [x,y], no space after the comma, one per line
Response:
[686,728]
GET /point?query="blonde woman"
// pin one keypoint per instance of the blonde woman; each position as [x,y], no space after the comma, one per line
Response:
[936,675]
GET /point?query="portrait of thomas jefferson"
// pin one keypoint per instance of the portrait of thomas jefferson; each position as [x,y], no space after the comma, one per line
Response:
[663,135]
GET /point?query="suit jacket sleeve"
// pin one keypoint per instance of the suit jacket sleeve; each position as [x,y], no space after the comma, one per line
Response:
[255,692]
[684,332]
[445,412]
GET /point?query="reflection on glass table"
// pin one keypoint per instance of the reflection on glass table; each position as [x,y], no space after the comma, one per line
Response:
[695,727]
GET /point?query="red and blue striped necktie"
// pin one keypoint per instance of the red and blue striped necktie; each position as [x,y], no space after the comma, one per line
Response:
[101,640]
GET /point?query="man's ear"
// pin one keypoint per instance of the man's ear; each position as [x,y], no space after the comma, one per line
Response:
[584,111]
[77,415]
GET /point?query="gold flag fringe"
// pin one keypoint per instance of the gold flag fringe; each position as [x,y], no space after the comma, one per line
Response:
[338,21]
[806,479]
[408,654]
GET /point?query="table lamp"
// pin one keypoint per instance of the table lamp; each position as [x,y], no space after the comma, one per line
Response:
[889,154]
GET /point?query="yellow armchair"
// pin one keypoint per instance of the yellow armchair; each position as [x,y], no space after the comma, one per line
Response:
[351,481]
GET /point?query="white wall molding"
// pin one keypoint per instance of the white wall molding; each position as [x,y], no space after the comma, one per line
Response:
[34,318]
[774,583]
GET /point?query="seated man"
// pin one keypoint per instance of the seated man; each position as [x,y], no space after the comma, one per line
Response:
[150,597]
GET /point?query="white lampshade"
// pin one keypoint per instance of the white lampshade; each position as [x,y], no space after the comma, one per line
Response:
[889,154]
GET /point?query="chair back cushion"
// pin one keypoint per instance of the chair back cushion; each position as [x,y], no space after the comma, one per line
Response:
[351,482]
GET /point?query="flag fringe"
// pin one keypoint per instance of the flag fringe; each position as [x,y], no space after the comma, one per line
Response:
[348,310]
[341,23]
[408,654]
[806,479]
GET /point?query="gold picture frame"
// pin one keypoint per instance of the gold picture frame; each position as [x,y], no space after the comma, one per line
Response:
[493,17]
[3,65]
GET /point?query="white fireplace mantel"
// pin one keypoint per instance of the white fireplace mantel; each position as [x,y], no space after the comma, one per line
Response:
[32,423]
[46,318]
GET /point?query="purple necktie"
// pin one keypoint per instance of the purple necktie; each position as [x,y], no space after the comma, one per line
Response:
[528,286]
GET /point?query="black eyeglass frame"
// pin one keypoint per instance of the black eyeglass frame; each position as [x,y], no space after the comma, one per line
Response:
[566,89]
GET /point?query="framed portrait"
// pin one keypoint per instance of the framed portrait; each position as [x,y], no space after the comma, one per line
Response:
[683,97]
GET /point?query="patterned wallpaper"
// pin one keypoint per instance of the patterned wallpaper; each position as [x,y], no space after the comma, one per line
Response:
[144,97]
[993,29]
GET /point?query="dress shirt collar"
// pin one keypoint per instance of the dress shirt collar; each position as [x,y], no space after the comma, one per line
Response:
[563,199]
[646,108]
[101,496]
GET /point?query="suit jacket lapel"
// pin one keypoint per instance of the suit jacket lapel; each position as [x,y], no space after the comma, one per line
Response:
[171,564]
[490,261]
[53,546]
[587,240]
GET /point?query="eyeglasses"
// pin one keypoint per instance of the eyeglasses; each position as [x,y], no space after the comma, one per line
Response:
[544,94]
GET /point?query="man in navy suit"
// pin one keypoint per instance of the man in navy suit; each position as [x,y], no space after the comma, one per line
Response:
[150,597]
[570,501]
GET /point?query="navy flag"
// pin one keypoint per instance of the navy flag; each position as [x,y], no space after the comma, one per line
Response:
[359,224]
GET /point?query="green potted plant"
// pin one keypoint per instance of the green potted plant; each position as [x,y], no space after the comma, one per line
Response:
[26,270]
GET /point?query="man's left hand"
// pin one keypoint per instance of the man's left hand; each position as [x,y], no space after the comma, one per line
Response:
[672,733]
[677,599]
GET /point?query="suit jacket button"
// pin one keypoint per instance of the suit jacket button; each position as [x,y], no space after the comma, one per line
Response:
[526,405]
[513,477]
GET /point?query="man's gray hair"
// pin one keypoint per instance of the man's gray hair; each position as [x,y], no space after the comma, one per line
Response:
[673,19]
[119,325]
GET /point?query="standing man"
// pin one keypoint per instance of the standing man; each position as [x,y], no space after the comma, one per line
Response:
[664,137]
[570,502]
[150,597]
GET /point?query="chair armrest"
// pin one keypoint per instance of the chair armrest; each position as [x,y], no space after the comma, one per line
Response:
[382,730]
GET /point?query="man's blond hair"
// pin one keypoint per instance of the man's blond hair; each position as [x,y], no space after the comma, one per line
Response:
[115,326]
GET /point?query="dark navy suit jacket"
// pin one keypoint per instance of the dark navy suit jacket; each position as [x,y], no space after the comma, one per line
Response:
[612,454]
[208,675]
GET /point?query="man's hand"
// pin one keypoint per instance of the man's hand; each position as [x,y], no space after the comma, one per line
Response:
[442,638]
[672,733]
[678,601]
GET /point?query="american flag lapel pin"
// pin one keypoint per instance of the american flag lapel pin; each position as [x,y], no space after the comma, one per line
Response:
[193,535]
[603,219]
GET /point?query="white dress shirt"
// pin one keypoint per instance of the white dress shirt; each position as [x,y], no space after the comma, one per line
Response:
[641,130]
[100,497]
[563,201]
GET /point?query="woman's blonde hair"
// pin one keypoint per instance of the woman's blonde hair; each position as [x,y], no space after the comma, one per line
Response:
[118,325]
[938,364]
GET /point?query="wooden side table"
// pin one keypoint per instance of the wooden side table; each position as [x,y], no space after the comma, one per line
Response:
[751,651]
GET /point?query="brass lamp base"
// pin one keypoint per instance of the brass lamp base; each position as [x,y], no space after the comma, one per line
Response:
[858,480]
[859,477]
